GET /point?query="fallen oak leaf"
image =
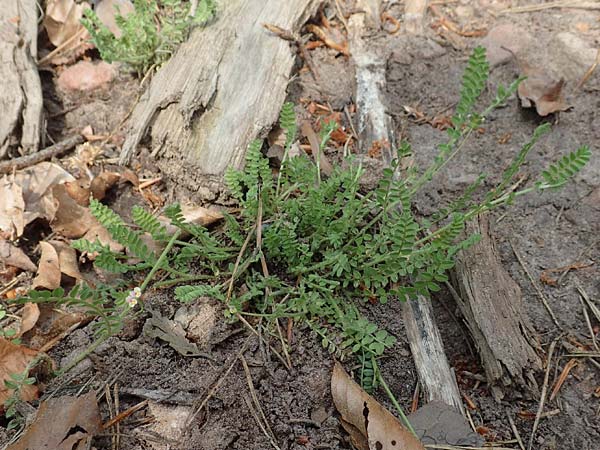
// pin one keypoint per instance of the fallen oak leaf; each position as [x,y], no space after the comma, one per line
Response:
[62,423]
[14,359]
[380,429]
[48,274]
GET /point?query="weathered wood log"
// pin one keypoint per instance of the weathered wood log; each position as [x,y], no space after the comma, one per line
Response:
[21,91]
[374,125]
[224,87]
[491,303]
[426,346]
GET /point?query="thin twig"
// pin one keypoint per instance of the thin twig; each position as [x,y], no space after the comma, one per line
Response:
[124,414]
[544,392]
[589,72]
[536,287]
[50,152]
[514,430]
[266,428]
[215,387]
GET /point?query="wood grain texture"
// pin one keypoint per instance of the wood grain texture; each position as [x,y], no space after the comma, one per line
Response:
[374,124]
[427,348]
[222,89]
[492,305]
[20,90]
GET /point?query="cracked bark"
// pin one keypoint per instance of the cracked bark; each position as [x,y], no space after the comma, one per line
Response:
[21,93]
[222,89]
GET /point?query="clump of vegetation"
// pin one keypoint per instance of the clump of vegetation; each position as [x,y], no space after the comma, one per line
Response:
[313,248]
[150,34]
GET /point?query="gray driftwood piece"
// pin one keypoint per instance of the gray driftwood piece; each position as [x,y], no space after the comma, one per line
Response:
[374,124]
[223,88]
[20,89]
[491,303]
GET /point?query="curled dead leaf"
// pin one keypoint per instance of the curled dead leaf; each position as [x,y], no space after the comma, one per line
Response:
[52,325]
[367,419]
[102,183]
[48,274]
[10,255]
[67,259]
[12,207]
[28,195]
[79,191]
[29,317]
[72,220]
[200,215]
[62,20]
[63,423]
[14,360]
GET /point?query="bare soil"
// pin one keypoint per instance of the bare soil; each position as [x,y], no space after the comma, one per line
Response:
[548,231]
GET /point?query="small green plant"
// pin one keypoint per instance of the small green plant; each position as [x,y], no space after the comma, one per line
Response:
[150,34]
[312,248]
[16,383]
[6,333]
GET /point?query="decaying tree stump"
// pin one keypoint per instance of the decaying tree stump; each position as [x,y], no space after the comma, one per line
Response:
[491,303]
[224,87]
[21,91]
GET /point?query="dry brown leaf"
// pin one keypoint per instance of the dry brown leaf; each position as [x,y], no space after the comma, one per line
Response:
[63,423]
[14,359]
[48,274]
[62,20]
[129,175]
[79,191]
[12,207]
[10,255]
[29,317]
[539,89]
[378,427]
[51,324]
[71,220]
[313,139]
[102,183]
[199,215]
[67,259]
[28,196]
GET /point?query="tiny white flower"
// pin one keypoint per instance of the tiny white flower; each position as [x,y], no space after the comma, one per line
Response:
[131,301]
[137,292]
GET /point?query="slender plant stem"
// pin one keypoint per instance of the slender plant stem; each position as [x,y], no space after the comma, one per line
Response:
[392,398]
[160,260]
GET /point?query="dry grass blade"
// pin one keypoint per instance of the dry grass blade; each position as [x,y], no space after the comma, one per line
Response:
[544,392]
[563,376]
[536,287]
